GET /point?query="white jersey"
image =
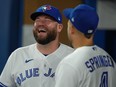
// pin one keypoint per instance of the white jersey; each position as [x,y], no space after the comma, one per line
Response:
[27,67]
[88,66]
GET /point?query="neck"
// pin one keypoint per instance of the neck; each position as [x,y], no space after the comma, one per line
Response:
[77,44]
[48,48]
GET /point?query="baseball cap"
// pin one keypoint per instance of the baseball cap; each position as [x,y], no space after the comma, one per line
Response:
[48,10]
[83,17]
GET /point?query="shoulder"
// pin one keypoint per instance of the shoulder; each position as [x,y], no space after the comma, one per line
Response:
[26,48]
[22,50]
[66,47]
[64,50]
[19,53]
[77,57]
[82,54]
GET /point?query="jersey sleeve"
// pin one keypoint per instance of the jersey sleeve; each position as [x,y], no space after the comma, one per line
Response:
[66,76]
[6,78]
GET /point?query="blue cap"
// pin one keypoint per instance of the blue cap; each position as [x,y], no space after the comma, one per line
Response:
[83,17]
[48,10]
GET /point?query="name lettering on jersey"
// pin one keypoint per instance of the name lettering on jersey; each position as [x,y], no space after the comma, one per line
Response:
[34,72]
[99,62]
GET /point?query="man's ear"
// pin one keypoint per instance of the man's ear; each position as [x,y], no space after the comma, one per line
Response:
[72,30]
[59,27]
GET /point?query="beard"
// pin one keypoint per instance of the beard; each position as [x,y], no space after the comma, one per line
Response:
[50,36]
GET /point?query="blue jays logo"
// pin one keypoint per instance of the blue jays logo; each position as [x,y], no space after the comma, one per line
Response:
[47,7]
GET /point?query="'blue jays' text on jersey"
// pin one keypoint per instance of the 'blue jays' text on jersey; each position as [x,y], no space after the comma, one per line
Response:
[28,67]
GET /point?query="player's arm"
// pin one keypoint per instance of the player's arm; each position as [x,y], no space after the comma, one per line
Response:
[66,76]
[6,79]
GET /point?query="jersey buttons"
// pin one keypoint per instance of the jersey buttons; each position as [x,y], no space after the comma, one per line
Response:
[44,65]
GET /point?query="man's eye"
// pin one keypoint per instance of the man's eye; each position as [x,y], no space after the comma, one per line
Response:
[48,20]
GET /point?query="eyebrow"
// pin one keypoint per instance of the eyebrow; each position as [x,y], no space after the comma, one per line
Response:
[47,16]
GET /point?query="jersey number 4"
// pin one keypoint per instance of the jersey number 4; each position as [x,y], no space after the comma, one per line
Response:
[104,80]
